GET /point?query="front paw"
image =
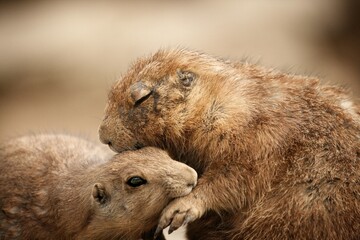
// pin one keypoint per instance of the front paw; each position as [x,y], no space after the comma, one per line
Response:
[180,212]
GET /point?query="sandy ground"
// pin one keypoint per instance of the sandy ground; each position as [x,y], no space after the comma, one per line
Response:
[59,58]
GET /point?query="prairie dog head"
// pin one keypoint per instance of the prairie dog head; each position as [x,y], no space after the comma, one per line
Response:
[161,98]
[64,187]
[134,188]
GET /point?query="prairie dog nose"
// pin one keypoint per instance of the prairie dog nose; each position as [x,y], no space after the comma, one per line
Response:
[183,180]
[191,176]
[103,136]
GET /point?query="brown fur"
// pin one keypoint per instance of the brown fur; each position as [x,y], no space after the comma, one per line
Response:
[50,187]
[278,155]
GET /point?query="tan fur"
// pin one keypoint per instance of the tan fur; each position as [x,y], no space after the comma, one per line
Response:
[277,154]
[47,184]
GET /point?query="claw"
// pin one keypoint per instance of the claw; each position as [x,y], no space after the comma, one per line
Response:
[187,220]
[157,232]
[171,229]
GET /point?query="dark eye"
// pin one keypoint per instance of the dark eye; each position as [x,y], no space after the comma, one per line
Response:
[136,181]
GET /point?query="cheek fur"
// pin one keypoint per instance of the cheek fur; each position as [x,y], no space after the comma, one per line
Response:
[138,116]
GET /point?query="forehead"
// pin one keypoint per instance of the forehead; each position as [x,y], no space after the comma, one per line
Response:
[153,68]
[137,168]
[125,166]
[144,156]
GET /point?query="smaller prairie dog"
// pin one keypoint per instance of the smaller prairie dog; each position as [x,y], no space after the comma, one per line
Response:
[63,187]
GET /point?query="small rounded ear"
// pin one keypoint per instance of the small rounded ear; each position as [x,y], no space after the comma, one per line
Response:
[139,92]
[185,77]
[99,193]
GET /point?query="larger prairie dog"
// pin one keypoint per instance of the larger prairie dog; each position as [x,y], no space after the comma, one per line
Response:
[278,155]
[63,187]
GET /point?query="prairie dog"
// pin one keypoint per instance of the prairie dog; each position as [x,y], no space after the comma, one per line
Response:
[278,155]
[63,187]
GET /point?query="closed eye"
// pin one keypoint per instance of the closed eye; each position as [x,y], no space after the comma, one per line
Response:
[143,99]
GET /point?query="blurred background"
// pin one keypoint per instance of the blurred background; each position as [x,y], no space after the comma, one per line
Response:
[58,59]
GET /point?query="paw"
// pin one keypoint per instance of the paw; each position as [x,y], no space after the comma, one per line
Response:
[179,212]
